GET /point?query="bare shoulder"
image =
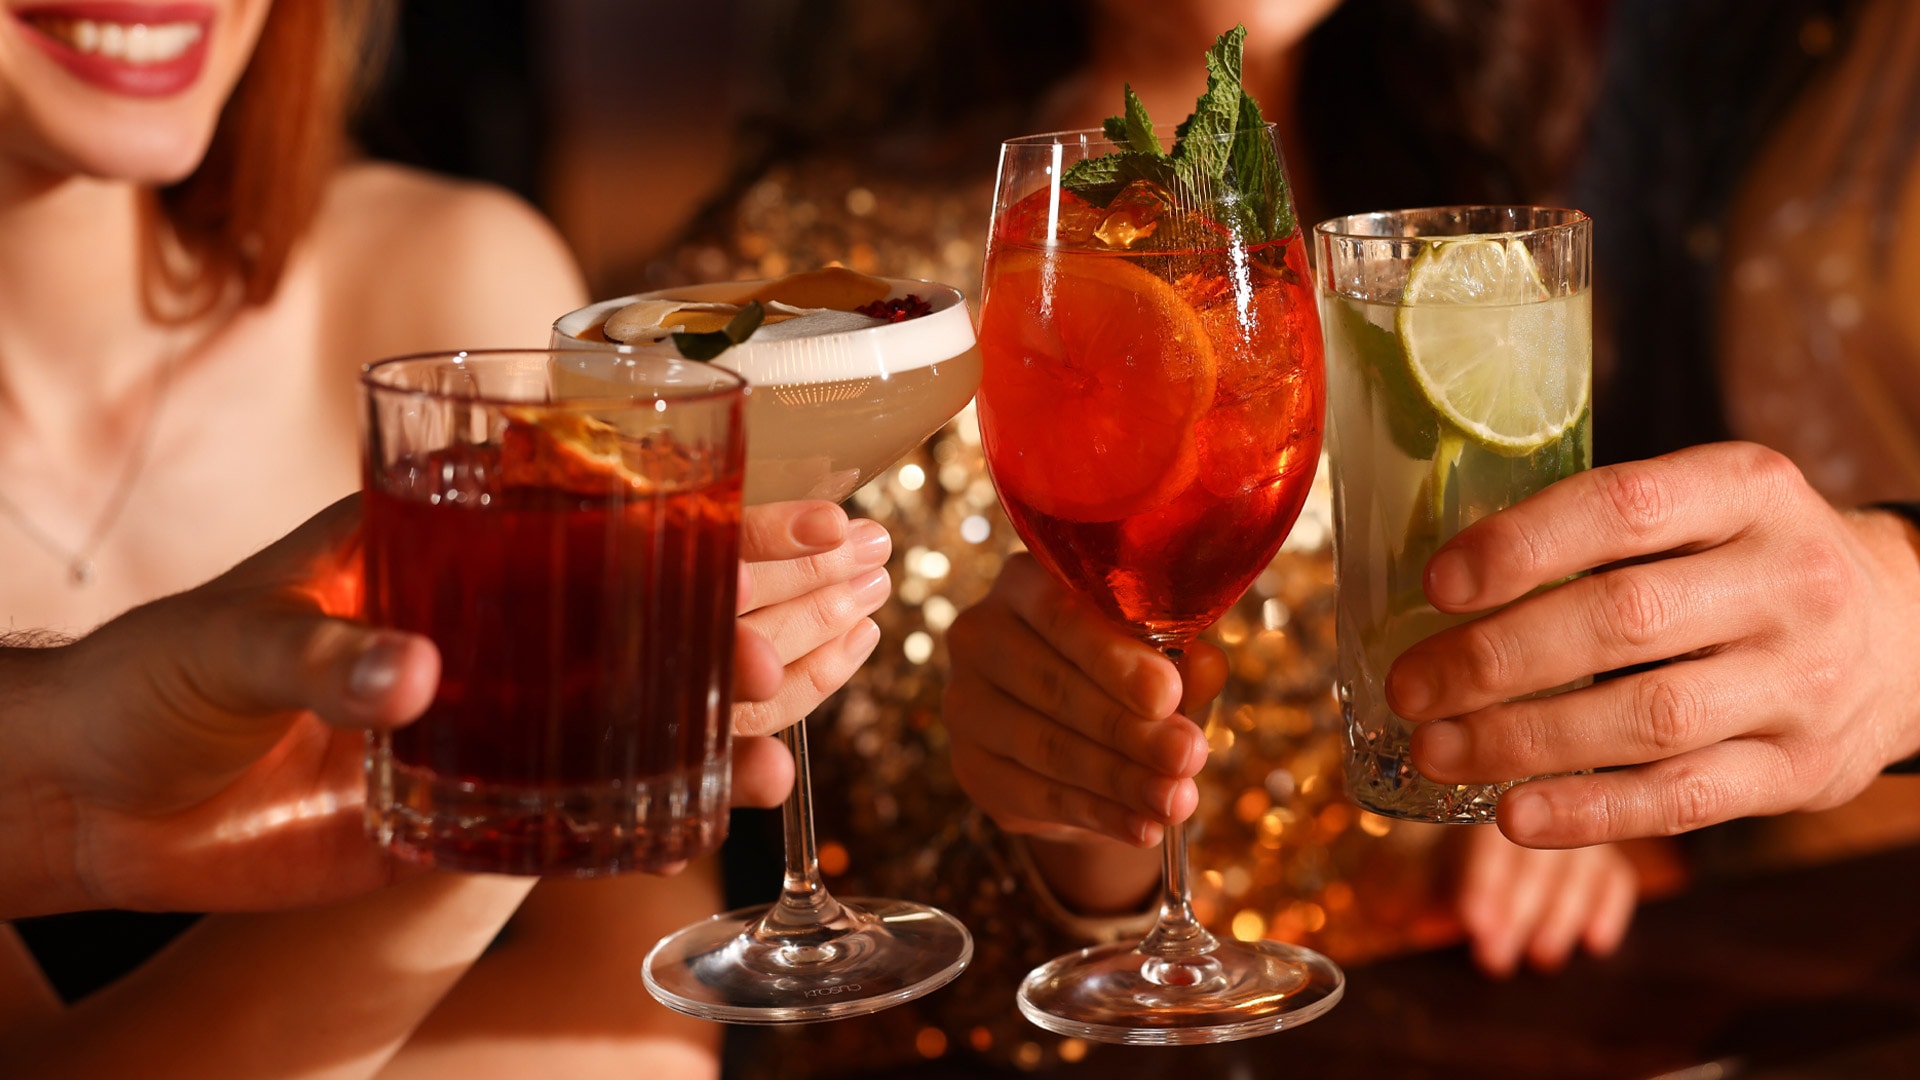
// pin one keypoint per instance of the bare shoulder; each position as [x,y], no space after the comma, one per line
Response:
[412,261]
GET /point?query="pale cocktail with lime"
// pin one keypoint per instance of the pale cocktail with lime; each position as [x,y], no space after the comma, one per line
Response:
[1459,366]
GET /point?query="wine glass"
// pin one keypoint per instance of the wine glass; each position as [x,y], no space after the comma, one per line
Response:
[1150,406]
[826,414]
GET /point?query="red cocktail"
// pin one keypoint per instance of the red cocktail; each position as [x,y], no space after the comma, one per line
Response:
[1153,420]
[1150,404]
[576,564]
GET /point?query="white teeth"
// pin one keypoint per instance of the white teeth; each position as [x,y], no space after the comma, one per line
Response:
[133,43]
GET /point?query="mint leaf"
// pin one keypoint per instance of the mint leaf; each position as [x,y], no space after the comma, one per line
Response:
[1216,115]
[1139,128]
[708,345]
[1098,180]
[1223,159]
[1253,165]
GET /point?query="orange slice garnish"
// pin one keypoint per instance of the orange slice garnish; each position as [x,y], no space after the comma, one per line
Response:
[574,453]
[1095,374]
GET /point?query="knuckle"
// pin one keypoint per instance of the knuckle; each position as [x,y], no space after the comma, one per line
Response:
[1049,687]
[1055,751]
[1637,498]
[1110,724]
[1490,657]
[1694,799]
[1673,714]
[1771,469]
[1524,740]
[1056,806]
[1824,579]
[1637,611]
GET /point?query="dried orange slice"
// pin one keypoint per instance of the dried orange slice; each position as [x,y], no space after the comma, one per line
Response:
[1095,373]
[574,453]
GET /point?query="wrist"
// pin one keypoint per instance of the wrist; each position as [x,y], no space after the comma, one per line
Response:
[36,813]
[1892,534]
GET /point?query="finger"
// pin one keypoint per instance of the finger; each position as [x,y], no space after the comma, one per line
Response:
[1612,913]
[762,771]
[799,626]
[1483,904]
[251,662]
[1571,906]
[1134,674]
[866,548]
[1530,887]
[1703,787]
[330,538]
[1645,717]
[756,666]
[808,681]
[1203,674]
[1002,787]
[1682,501]
[771,532]
[1020,666]
[1011,730]
[1603,622]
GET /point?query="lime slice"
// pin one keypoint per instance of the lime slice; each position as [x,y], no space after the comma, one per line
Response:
[1491,349]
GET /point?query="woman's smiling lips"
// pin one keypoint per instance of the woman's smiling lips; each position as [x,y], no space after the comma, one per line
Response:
[140,50]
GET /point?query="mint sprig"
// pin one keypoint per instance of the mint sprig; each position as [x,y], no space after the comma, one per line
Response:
[1222,156]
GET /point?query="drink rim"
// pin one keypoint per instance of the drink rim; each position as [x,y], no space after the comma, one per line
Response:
[727,384]
[1344,227]
[1089,136]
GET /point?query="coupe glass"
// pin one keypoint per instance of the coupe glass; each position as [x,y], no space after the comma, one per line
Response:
[1150,406]
[826,414]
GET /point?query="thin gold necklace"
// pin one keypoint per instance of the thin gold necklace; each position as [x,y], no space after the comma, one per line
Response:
[79,559]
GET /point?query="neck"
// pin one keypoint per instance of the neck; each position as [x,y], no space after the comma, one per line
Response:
[72,328]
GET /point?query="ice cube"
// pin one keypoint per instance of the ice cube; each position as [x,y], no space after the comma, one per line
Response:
[1134,215]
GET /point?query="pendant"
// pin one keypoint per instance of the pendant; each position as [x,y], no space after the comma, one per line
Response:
[80,573]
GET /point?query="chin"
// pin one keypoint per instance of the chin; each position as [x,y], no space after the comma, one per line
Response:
[149,150]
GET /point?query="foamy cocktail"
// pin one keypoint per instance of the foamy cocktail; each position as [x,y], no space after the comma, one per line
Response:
[848,372]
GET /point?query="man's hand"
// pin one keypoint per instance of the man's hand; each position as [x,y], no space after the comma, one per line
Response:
[1791,632]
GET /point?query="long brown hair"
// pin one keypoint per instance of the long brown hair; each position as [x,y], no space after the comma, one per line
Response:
[224,234]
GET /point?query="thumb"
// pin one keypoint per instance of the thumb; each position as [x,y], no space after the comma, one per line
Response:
[350,674]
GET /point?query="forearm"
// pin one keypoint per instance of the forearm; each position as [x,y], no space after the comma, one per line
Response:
[1097,877]
[322,992]
[36,818]
[562,994]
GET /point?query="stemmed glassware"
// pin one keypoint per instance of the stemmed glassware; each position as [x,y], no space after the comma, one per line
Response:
[826,414]
[1150,406]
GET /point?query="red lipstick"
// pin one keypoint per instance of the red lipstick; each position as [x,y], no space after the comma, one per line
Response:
[139,50]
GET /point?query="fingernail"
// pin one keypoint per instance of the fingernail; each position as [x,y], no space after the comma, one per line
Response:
[1525,815]
[870,542]
[1146,832]
[1440,749]
[377,669]
[1158,794]
[1450,579]
[862,638]
[821,526]
[872,588]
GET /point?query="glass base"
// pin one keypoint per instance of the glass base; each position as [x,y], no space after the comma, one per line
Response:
[1241,989]
[871,955]
[647,823]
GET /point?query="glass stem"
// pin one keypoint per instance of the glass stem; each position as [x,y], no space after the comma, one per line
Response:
[1177,938]
[804,904]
